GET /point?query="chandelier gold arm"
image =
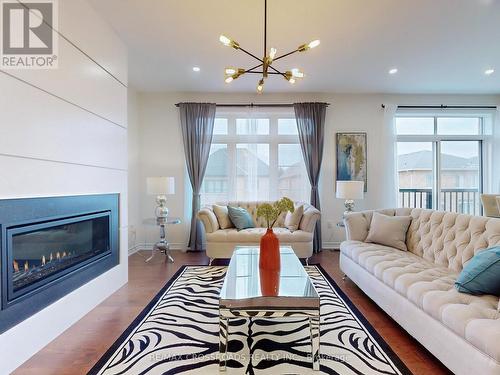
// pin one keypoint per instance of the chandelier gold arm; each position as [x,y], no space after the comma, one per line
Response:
[251,54]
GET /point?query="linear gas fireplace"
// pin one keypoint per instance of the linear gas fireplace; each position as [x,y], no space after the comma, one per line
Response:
[50,246]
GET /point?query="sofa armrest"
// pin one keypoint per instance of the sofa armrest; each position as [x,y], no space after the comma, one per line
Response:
[309,218]
[209,220]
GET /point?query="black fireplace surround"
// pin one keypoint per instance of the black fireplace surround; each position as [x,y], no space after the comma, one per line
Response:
[51,246]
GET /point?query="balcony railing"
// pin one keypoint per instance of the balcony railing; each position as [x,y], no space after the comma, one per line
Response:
[466,201]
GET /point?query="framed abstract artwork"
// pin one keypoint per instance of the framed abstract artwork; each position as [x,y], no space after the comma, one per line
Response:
[351,157]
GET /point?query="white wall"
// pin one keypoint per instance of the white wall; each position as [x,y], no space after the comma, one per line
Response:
[133,176]
[161,150]
[64,132]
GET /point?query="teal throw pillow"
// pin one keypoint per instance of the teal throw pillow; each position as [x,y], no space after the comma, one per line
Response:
[240,217]
[481,275]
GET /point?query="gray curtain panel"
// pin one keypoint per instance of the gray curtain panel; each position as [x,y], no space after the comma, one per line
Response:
[197,124]
[311,125]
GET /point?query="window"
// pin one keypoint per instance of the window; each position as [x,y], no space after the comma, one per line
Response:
[255,156]
[440,162]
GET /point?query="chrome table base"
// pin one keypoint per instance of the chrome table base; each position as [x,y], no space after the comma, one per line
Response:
[225,314]
[162,246]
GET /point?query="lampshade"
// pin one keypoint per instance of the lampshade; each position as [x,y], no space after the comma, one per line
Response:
[350,189]
[160,185]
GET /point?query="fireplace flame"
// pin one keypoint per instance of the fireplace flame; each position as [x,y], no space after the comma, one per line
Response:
[26,266]
[16,266]
[51,257]
[64,254]
[58,255]
[43,260]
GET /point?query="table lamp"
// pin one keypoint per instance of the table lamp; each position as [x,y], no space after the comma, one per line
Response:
[350,190]
[161,187]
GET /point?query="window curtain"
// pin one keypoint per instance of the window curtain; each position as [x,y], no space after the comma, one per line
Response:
[311,126]
[197,124]
[388,148]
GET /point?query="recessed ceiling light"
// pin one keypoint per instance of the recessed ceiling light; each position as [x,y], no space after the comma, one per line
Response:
[489,72]
[196,69]
[393,71]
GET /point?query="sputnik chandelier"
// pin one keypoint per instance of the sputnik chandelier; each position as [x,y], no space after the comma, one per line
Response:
[265,67]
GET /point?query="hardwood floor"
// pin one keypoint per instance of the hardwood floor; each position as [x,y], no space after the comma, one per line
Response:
[78,348]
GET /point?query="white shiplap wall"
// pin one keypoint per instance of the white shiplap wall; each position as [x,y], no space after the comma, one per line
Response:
[64,132]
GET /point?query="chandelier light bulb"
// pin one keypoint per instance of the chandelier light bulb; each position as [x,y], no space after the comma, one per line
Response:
[228,42]
[229,79]
[260,86]
[314,43]
[272,53]
[291,80]
[297,73]
[225,40]
[230,71]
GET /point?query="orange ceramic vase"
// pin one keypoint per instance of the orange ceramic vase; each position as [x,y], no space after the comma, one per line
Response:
[269,264]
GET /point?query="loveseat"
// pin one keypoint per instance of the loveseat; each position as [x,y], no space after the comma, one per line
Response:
[416,287]
[220,243]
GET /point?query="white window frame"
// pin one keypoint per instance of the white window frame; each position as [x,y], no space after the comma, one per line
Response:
[484,139]
[273,139]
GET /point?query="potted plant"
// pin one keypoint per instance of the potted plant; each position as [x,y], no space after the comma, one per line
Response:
[269,259]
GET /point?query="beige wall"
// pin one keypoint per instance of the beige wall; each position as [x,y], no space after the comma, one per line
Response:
[161,150]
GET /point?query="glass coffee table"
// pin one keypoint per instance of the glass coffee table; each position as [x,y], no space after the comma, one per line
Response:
[241,296]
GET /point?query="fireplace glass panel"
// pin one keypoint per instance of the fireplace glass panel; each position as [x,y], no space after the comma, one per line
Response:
[46,252]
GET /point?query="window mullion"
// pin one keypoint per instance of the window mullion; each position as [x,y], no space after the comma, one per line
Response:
[437,175]
[273,158]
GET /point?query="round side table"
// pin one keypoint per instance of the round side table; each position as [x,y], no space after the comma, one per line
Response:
[162,245]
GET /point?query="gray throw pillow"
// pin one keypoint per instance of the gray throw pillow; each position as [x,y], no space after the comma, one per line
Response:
[240,217]
[389,230]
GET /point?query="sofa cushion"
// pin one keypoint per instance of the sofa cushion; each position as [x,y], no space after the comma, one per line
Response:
[253,235]
[292,219]
[222,215]
[389,230]
[481,275]
[431,288]
[240,217]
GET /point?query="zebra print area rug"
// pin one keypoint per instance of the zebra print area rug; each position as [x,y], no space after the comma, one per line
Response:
[178,332]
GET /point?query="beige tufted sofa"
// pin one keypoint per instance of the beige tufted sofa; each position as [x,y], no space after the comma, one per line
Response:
[221,242]
[416,288]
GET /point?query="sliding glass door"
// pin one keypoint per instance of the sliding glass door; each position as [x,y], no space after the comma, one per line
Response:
[460,176]
[439,162]
[416,174]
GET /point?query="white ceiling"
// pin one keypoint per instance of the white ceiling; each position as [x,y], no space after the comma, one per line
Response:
[439,46]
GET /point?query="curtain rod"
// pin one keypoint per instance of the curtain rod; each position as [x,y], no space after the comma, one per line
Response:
[252,105]
[442,106]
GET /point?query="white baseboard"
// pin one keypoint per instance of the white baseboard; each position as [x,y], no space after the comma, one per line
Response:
[149,246]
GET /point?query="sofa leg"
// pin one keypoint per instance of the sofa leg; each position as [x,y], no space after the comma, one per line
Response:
[307,261]
[210,261]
